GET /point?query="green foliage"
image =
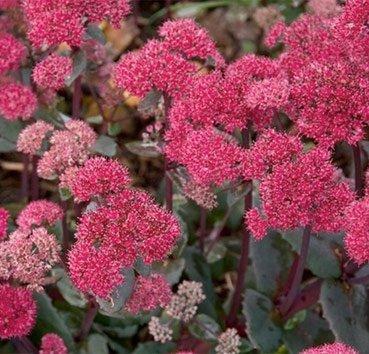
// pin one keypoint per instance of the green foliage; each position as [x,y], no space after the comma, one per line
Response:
[9,131]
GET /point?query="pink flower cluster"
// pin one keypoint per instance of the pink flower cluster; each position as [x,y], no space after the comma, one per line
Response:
[12,52]
[39,213]
[4,217]
[69,147]
[51,343]
[149,293]
[51,72]
[17,101]
[51,22]
[125,226]
[28,256]
[18,311]
[336,348]
[306,190]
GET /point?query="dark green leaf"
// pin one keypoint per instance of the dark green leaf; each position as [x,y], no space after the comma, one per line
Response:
[154,348]
[10,130]
[114,128]
[217,252]
[6,145]
[95,32]
[149,105]
[79,65]
[105,146]
[263,333]
[172,270]
[96,343]
[205,328]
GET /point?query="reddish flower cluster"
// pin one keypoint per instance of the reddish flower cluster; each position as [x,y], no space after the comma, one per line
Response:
[127,227]
[68,148]
[27,257]
[12,52]
[4,216]
[52,72]
[51,22]
[31,138]
[149,293]
[301,192]
[336,348]
[18,311]
[39,213]
[98,176]
[17,101]
[51,343]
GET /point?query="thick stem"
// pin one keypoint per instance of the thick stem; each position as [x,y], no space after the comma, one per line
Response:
[93,306]
[359,173]
[359,280]
[24,346]
[242,266]
[77,98]
[202,232]
[167,179]
[35,182]
[300,266]
[65,241]
[25,177]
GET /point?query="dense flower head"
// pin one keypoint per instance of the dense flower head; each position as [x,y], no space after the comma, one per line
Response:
[51,343]
[228,342]
[336,348]
[272,148]
[18,311]
[153,67]
[99,176]
[12,52]
[52,72]
[306,191]
[129,226]
[149,293]
[4,217]
[17,101]
[187,37]
[357,237]
[30,256]
[160,331]
[69,147]
[202,195]
[31,138]
[209,156]
[38,213]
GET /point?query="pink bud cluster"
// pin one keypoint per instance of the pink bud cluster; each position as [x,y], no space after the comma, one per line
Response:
[51,72]
[18,311]
[12,52]
[4,217]
[52,22]
[149,293]
[125,226]
[51,343]
[336,348]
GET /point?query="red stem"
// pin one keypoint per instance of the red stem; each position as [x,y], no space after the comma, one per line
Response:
[65,240]
[24,346]
[242,266]
[77,98]
[35,182]
[359,280]
[25,177]
[289,299]
[359,173]
[93,307]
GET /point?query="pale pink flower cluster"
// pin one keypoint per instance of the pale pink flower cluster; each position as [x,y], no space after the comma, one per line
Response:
[324,8]
[31,138]
[202,195]
[149,293]
[68,148]
[228,342]
[39,213]
[12,52]
[51,22]
[126,225]
[159,330]
[4,217]
[28,256]
[51,72]
[51,343]
[307,190]
[16,101]
[336,348]
[18,311]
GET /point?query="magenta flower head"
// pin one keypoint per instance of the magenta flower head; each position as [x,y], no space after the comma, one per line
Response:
[98,177]
[4,217]
[12,52]
[52,72]
[31,138]
[18,311]
[149,293]
[305,191]
[51,343]
[336,348]
[17,101]
[357,237]
[38,213]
